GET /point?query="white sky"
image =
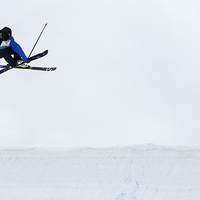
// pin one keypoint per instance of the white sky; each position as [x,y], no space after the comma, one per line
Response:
[128,73]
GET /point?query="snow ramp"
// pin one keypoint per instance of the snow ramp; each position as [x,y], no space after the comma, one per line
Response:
[139,172]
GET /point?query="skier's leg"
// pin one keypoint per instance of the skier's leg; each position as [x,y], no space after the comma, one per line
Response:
[7,56]
[16,55]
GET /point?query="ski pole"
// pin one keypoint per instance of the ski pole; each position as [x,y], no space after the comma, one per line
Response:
[37,40]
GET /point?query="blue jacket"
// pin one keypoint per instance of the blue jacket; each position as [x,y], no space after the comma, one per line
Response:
[17,48]
[14,45]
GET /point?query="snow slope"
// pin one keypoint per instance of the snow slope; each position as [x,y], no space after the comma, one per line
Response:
[143,172]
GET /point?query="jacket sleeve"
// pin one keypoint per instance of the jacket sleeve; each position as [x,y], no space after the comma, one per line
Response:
[17,48]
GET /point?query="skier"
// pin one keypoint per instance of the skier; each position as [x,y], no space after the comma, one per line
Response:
[9,47]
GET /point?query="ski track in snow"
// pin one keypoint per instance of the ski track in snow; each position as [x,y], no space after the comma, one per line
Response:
[136,172]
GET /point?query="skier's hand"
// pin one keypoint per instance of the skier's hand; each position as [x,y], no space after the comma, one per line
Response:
[28,61]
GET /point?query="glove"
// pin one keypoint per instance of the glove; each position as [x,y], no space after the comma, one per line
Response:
[27,61]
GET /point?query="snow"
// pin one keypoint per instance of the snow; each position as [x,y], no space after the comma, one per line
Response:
[137,172]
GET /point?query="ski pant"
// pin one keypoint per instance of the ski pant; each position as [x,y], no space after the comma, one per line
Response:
[6,54]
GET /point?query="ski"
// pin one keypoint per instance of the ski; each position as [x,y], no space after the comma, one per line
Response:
[37,56]
[35,68]
[6,68]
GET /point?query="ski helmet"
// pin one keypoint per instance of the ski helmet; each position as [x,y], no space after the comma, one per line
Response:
[5,34]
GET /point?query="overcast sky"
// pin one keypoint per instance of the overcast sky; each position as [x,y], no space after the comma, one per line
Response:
[128,73]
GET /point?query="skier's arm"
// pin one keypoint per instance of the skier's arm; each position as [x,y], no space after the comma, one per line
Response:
[17,48]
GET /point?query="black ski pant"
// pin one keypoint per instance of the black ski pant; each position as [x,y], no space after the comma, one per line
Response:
[6,54]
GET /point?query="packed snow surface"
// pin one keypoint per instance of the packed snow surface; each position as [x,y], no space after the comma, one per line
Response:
[140,172]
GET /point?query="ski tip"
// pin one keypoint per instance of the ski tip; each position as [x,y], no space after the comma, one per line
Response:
[46,52]
[49,69]
[52,69]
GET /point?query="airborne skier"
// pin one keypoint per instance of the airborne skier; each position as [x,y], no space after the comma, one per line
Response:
[9,47]
[12,52]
